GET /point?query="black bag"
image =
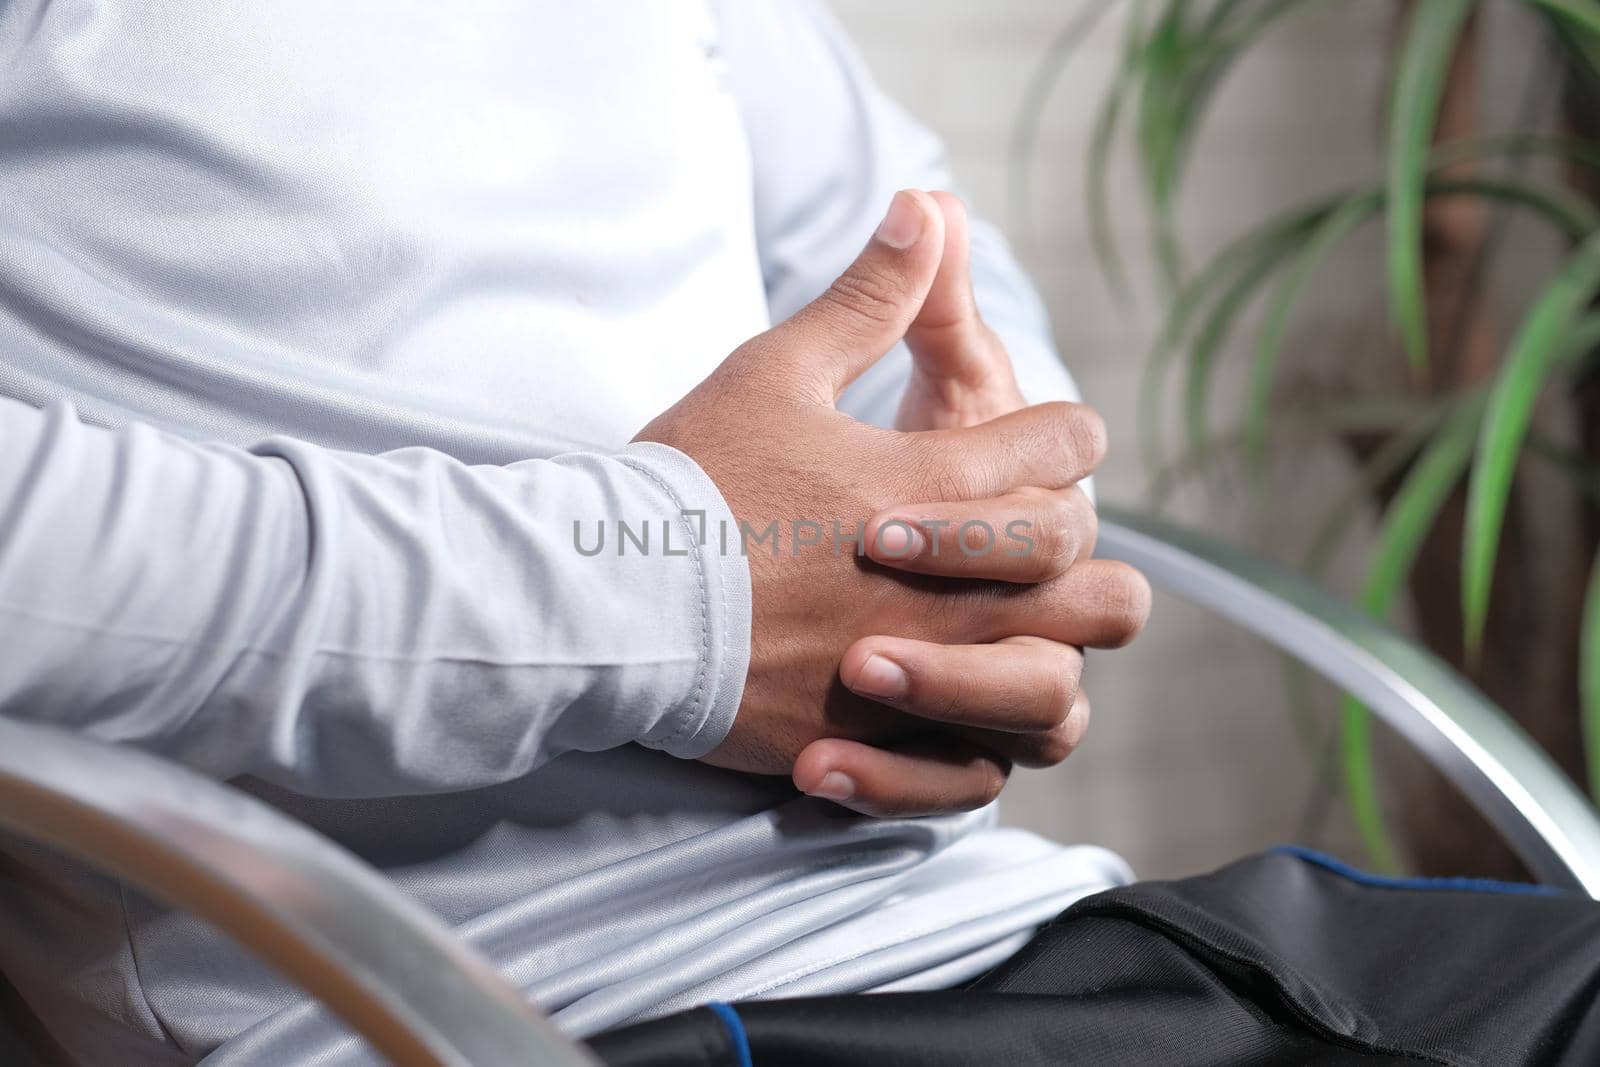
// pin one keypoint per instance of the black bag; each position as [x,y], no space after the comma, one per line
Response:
[1284,958]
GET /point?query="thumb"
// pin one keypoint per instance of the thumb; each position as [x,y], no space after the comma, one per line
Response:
[867,310]
[960,372]
[947,338]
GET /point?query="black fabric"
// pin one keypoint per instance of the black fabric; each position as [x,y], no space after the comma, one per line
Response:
[691,1037]
[1277,959]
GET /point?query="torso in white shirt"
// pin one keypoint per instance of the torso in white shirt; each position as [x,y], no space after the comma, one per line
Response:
[503,230]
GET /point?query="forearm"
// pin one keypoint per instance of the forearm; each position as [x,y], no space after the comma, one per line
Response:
[354,624]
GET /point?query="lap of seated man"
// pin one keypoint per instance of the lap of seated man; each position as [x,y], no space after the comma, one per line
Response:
[333,337]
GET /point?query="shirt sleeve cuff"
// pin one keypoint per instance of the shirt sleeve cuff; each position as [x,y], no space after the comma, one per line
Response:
[704,717]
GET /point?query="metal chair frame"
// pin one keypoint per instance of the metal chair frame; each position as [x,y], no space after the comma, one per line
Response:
[397,976]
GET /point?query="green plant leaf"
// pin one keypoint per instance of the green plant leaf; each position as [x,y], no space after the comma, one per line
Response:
[1185,60]
[1577,468]
[1404,443]
[1585,50]
[1589,675]
[1430,40]
[1361,786]
[1579,18]
[1406,523]
[1555,146]
[1274,240]
[1540,344]
[1213,334]
[1586,479]
[1167,54]
[1102,235]
[1316,239]
[1035,99]
[1425,490]
[1392,415]
[1332,230]
[1227,283]
[1412,423]
[1582,339]
[1569,212]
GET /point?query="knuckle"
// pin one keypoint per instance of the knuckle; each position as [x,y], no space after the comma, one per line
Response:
[761,371]
[1076,726]
[868,292]
[949,704]
[994,780]
[1086,433]
[1028,441]
[1059,534]
[1062,694]
[1053,746]
[1125,595]
[1057,746]
[1041,564]
[1086,521]
[946,475]
[1044,749]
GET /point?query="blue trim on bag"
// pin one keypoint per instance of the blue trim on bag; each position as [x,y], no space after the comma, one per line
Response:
[1382,881]
[736,1034]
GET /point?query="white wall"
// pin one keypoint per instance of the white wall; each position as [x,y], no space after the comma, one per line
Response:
[1193,757]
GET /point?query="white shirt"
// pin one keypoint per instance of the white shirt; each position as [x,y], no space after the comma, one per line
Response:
[319,323]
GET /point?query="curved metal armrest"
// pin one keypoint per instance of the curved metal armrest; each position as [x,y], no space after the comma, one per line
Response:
[1501,771]
[391,969]
[397,975]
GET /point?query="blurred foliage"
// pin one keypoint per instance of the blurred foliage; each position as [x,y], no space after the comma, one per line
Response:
[1174,55]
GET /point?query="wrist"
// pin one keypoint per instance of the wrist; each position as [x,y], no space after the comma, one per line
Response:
[706,534]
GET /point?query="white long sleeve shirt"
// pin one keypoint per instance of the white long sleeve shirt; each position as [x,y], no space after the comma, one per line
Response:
[320,324]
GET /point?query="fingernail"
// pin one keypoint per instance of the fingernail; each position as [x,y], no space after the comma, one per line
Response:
[881,677]
[898,539]
[902,226]
[835,785]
